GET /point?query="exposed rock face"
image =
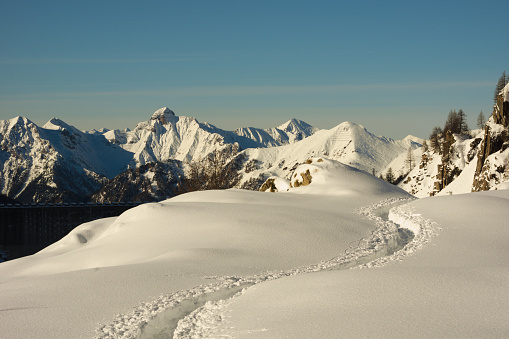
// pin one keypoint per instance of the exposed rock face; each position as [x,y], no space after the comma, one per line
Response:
[59,163]
[269,185]
[501,111]
[150,182]
[446,174]
[163,115]
[55,163]
[306,179]
[496,139]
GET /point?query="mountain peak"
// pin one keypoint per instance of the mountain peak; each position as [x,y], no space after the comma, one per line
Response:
[59,125]
[414,139]
[19,120]
[295,125]
[162,115]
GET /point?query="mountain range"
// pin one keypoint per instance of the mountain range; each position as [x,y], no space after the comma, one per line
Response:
[59,163]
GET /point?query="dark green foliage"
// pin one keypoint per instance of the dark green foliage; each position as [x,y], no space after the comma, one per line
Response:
[463,125]
[447,147]
[389,176]
[434,139]
[481,120]
[502,81]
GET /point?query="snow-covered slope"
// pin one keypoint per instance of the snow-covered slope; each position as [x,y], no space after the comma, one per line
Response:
[287,133]
[177,267]
[54,163]
[57,162]
[167,136]
[348,143]
[109,266]
[422,180]
[456,286]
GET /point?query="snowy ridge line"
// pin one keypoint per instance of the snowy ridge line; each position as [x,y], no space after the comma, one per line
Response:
[131,325]
[424,229]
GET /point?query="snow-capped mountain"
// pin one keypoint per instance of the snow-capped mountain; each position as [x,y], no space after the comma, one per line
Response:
[348,143]
[58,162]
[168,136]
[287,133]
[54,163]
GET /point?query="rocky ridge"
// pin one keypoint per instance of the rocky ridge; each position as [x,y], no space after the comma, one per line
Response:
[477,163]
[493,158]
[59,163]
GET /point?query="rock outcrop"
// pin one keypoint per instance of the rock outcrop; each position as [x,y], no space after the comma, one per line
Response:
[490,170]
[269,185]
[150,182]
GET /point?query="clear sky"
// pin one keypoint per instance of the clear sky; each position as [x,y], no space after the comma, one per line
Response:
[396,67]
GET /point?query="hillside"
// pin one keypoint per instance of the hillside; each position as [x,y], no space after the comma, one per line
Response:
[477,162]
[235,262]
[59,163]
[348,143]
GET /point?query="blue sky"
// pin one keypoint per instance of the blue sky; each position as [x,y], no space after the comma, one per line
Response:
[396,67]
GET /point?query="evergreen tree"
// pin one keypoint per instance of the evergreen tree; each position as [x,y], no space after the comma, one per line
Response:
[425,147]
[389,176]
[481,120]
[453,122]
[410,159]
[502,81]
[434,139]
[447,147]
[462,121]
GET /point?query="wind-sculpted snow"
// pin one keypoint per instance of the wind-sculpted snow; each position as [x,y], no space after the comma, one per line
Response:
[193,313]
[455,287]
[348,143]
[232,263]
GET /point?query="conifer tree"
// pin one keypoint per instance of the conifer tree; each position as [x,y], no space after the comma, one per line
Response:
[453,122]
[389,176]
[462,121]
[434,139]
[409,159]
[502,81]
[481,120]
[447,146]
[425,147]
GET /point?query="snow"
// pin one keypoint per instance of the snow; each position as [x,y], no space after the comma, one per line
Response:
[463,183]
[109,266]
[238,263]
[420,181]
[415,139]
[455,286]
[349,143]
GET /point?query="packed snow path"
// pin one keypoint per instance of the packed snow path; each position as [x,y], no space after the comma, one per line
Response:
[190,313]
[455,286]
